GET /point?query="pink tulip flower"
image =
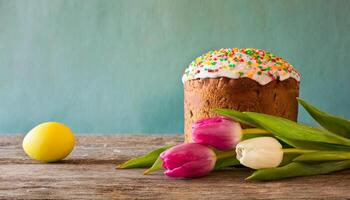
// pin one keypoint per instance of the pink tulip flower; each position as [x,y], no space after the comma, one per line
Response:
[219,132]
[188,160]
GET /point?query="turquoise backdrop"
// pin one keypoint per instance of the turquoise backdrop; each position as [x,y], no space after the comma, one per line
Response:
[115,66]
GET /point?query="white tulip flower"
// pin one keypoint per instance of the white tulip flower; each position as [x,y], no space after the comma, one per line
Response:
[260,152]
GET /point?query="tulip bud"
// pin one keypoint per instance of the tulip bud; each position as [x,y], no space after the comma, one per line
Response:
[260,152]
[219,132]
[188,160]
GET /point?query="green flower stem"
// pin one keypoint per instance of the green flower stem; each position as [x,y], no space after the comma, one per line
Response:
[322,156]
[296,151]
[224,163]
[220,155]
[254,131]
[225,159]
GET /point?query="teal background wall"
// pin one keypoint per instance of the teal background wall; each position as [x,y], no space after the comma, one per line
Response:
[115,66]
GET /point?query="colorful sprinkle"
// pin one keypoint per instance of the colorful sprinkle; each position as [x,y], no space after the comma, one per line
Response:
[236,63]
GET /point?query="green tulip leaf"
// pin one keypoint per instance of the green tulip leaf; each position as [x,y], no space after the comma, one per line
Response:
[144,161]
[252,135]
[330,122]
[321,156]
[284,128]
[157,165]
[237,116]
[312,145]
[295,169]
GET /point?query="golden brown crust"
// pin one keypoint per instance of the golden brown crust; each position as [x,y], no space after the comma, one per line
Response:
[202,95]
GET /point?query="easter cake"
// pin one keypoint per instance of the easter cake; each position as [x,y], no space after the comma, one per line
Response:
[245,79]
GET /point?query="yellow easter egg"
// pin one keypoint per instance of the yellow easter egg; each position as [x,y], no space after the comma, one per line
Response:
[49,142]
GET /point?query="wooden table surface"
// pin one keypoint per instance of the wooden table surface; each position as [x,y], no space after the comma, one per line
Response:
[89,173]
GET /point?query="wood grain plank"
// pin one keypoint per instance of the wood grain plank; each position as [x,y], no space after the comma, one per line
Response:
[89,173]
